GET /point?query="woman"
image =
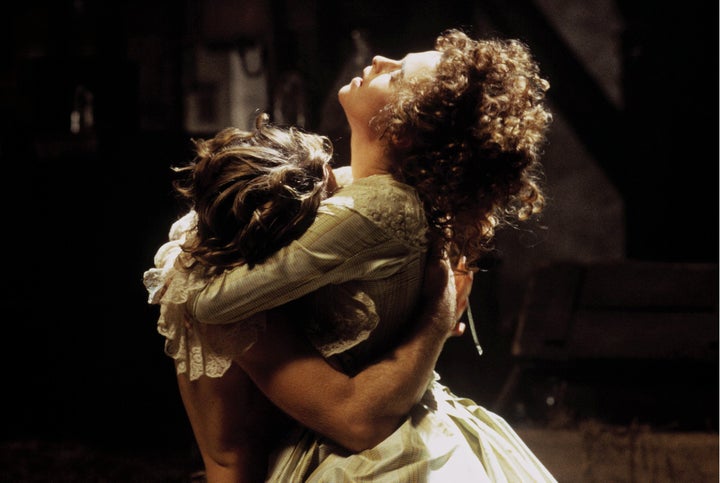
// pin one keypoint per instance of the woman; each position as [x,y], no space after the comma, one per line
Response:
[445,145]
[252,193]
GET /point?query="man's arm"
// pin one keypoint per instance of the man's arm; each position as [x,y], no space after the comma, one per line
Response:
[357,412]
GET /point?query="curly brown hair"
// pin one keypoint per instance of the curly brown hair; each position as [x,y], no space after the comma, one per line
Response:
[254,192]
[469,139]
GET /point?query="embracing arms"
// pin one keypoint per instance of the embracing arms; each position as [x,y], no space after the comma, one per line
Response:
[355,236]
[359,411]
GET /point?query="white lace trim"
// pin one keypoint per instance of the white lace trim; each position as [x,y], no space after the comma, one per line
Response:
[345,323]
[197,349]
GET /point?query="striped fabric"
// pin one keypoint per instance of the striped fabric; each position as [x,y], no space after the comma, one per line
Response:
[445,439]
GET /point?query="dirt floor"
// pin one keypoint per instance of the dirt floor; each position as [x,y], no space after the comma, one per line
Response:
[598,453]
[591,453]
[71,462]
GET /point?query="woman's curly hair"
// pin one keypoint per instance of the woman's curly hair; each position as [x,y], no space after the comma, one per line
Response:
[254,192]
[469,139]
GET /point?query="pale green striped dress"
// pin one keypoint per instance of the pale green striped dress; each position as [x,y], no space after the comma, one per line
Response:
[365,253]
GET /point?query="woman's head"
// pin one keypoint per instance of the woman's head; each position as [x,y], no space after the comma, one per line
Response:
[468,135]
[365,96]
[254,192]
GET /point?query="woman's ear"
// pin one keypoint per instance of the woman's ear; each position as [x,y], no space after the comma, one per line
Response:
[400,141]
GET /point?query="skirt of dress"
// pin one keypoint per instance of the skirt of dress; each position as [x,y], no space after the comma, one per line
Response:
[445,439]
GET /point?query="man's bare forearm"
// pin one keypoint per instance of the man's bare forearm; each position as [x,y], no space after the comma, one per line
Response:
[359,411]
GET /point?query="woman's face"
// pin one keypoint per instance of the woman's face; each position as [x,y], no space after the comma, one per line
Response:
[364,96]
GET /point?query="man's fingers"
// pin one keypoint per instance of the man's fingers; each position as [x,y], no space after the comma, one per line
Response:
[437,275]
[458,330]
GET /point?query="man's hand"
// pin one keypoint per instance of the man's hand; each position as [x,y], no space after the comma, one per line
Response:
[448,290]
[463,287]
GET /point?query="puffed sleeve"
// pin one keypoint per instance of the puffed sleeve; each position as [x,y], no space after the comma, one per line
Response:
[340,245]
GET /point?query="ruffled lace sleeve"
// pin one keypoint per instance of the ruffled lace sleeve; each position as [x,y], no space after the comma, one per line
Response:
[196,348]
[164,282]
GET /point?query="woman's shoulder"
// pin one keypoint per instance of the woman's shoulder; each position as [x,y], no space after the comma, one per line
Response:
[388,199]
[393,206]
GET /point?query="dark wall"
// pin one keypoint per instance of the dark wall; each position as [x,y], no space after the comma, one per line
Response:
[84,212]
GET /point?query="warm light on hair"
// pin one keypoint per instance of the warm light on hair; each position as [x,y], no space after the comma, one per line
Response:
[470,139]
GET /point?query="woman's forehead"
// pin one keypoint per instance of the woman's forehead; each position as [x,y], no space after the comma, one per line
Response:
[416,63]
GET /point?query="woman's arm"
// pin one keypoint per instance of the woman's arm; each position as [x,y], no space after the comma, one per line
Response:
[360,411]
[341,244]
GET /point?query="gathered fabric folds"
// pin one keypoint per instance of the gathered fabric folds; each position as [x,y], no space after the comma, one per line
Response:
[445,438]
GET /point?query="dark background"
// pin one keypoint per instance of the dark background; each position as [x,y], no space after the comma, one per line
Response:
[632,173]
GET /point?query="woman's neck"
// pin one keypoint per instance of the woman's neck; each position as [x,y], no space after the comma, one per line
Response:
[367,157]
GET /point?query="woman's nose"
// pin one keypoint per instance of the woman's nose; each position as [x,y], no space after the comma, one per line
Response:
[381,63]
